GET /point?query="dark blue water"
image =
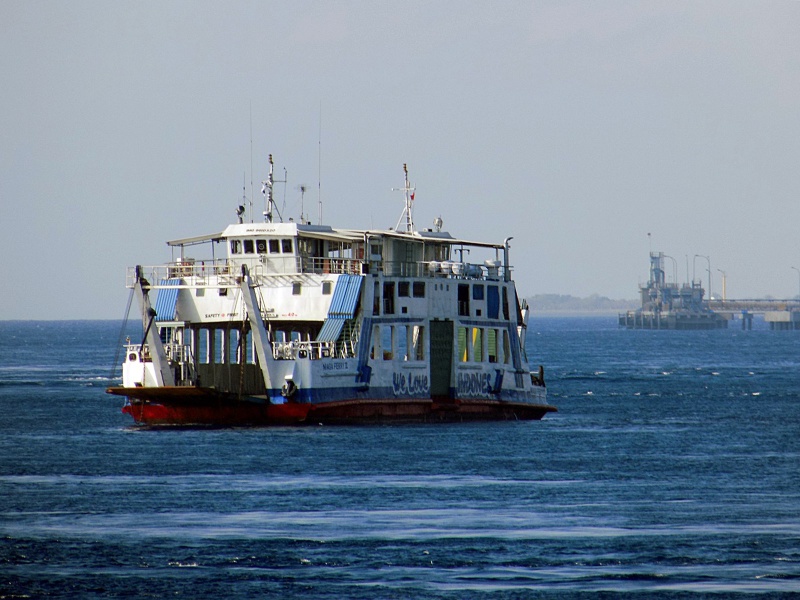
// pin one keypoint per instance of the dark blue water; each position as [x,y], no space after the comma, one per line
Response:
[672,469]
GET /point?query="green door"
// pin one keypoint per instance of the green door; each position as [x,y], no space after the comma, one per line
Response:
[441,353]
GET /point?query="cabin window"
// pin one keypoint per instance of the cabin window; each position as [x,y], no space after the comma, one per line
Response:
[249,247]
[491,345]
[274,247]
[387,341]
[248,356]
[505,303]
[418,342]
[477,292]
[506,348]
[326,288]
[388,297]
[215,342]
[462,344]
[402,289]
[418,289]
[376,339]
[296,288]
[236,247]
[202,346]
[463,300]
[376,299]
[233,347]
[286,246]
[261,246]
[477,344]
[401,331]
[199,292]
[493,302]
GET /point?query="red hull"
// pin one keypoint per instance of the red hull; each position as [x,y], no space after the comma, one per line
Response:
[196,406]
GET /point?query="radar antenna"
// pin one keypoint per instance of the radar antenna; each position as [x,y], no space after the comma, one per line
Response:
[408,191]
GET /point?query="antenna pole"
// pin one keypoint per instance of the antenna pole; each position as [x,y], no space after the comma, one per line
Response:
[319,166]
[252,194]
[302,188]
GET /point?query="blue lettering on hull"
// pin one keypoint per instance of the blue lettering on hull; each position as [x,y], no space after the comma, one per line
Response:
[410,385]
[474,384]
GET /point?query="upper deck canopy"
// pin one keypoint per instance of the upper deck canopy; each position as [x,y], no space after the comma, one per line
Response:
[325,232]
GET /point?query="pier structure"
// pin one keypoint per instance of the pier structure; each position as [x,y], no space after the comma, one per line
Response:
[781,315]
[669,305]
[672,306]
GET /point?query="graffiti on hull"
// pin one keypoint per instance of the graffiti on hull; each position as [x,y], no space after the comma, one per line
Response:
[405,384]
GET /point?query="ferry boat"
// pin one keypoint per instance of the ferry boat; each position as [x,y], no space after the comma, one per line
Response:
[294,323]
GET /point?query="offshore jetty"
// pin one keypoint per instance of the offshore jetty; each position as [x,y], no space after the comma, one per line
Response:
[670,306]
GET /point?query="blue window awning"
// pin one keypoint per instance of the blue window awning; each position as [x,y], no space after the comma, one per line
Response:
[167,300]
[331,329]
[343,306]
[345,296]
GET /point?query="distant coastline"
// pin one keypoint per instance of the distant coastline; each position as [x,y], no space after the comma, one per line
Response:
[560,304]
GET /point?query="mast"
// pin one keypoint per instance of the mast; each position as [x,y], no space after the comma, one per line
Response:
[408,192]
[266,189]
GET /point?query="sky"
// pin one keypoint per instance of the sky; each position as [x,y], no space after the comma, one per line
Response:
[591,132]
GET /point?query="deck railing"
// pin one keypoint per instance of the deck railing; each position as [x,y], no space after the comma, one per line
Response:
[227,273]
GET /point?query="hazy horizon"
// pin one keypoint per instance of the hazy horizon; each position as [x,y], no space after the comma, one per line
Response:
[592,133]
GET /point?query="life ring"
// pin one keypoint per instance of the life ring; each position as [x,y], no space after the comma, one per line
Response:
[289,389]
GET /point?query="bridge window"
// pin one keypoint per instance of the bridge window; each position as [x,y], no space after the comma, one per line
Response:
[477,292]
[249,247]
[286,246]
[402,289]
[236,247]
[261,246]
[274,247]
[419,289]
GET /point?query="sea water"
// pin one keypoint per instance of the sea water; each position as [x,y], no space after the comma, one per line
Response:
[671,469]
